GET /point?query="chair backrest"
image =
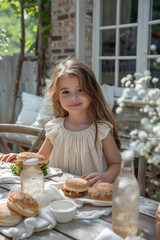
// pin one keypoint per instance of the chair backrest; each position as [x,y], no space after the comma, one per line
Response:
[6,139]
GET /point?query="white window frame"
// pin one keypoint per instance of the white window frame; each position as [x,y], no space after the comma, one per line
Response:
[80,29]
[142,25]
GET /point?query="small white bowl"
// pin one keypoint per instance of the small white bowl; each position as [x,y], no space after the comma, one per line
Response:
[63,210]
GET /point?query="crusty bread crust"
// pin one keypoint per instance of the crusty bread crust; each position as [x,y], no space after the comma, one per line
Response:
[8,217]
[101,191]
[26,155]
[23,203]
[76,184]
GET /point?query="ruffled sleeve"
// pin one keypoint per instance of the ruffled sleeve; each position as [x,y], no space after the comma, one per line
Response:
[53,128]
[103,129]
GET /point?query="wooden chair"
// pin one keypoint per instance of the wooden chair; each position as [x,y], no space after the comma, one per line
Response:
[8,137]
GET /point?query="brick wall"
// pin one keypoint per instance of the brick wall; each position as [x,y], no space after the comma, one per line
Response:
[62,42]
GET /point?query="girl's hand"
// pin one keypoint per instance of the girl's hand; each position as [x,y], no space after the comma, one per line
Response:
[10,157]
[93,178]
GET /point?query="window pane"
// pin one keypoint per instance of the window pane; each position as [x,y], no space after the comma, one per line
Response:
[108,12]
[126,67]
[154,46]
[108,72]
[154,67]
[128,41]
[155,13]
[108,42]
[129,10]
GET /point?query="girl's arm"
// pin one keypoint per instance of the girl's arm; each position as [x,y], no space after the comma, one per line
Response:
[46,149]
[113,159]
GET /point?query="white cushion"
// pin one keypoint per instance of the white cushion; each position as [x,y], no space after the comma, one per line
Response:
[31,105]
[44,114]
[108,92]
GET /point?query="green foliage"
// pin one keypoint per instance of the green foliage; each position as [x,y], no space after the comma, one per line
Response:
[16,170]
[10,14]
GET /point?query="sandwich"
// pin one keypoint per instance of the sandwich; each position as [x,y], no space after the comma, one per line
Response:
[75,187]
[8,217]
[17,167]
[101,191]
[23,203]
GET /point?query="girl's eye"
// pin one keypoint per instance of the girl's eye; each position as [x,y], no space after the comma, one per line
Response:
[80,90]
[65,92]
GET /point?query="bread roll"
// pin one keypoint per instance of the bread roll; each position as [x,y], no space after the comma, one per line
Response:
[101,191]
[26,155]
[23,204]
[75,187]
[8,217]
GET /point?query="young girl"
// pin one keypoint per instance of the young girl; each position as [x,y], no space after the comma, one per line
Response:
[82,138]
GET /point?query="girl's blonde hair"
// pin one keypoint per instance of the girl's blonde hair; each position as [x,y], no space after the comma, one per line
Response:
[99,110]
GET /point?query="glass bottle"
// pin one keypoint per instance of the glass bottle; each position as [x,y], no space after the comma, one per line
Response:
[125,203]
[32,178]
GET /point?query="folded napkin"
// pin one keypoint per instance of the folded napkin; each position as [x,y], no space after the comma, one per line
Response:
[108,234]
[45,219]
[7,176]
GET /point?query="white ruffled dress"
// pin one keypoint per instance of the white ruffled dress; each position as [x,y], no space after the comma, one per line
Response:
[75,151]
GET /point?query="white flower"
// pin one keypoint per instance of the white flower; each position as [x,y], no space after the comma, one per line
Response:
[137,75]
[147,78]
[142,134]
[121,105]
[133,145]
[128,83]
[138,87]
[148,127]
[157,149]
[158,101]
[141,92]
[156,158]
[152,102]
[144,120]
[153,93]
[155,80]
[129,77]
[126,90]
[119,110]
[5,51]
[127,155]
[120,100]
[147,73]
[134,99]
[141,80]
[133,133]
[0,58]
[154,119]
[123,80]
[156,130]
[153,47]
[146,108]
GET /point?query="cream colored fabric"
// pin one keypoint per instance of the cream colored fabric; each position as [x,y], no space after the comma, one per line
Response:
[75,151]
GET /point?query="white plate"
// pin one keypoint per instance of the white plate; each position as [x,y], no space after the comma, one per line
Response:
[87,200]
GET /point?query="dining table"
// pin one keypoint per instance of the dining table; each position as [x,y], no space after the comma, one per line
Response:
[89,228]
